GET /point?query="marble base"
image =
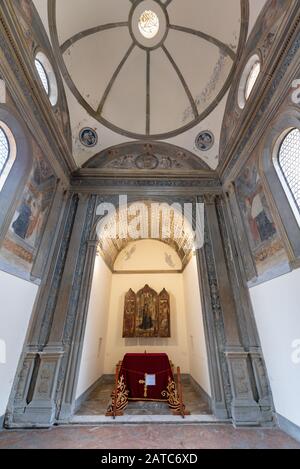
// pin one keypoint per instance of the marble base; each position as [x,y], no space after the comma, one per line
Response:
[148,419]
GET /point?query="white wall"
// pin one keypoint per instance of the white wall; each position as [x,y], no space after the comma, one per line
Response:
[195,328]
[176,347]
[277,312]
[17,300]
[92,360]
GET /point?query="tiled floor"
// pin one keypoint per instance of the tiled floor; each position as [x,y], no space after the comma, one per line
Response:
[148,437]
[99,399]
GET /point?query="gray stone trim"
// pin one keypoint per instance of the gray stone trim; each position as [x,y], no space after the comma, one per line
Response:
[288,427]
[85,395]
[88,181]
[105,158]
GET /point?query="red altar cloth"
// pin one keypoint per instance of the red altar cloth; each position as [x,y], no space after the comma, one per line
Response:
[136,365]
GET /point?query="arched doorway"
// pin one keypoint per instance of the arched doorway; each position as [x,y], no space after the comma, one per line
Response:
[45,389]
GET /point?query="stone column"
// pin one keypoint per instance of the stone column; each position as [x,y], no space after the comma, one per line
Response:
[217,380]
[56,346]
[243,268]
[244,408]
[41,376]
[67,406]
[19,413]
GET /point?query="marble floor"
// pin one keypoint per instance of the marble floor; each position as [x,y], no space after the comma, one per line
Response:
[148,437]
[98,401]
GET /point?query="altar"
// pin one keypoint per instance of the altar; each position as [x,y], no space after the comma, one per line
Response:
[146,377]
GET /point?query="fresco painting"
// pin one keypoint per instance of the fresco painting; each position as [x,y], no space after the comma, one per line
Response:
[23,239]
[265,243]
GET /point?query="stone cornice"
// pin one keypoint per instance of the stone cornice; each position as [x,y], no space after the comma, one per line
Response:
[273,92]
[34,107]
[148,174]
[89,181]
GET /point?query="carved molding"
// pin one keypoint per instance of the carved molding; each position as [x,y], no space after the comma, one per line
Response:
[145,156]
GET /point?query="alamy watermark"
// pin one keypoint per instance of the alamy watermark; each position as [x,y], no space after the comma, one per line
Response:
[145,220]
[296,93]
[296,352]
[2,352]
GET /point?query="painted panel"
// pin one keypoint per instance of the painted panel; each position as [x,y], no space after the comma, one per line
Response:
[23,238]
[265,243]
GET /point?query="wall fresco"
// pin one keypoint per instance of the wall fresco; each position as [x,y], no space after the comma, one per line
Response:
[264,240]
[20,246]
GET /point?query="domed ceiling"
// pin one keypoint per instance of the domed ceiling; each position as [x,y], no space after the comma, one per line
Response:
[131,75]
[148,68]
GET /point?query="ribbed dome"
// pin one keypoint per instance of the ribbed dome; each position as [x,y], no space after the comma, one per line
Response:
[149,67]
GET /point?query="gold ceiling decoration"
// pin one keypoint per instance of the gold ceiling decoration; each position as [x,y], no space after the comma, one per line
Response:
[148,220]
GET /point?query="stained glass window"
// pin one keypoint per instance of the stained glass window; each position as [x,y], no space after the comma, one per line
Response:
[43,75]
[4,150]
[289,162]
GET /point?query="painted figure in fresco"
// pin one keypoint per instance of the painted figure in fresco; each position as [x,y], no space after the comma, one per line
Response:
[255,207]
[20,226]
[36,218]
[129,318]
[262,228]
[146,314]
[147,322]
[164,315]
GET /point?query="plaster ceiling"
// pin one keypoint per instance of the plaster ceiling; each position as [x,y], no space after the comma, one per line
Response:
[125,90]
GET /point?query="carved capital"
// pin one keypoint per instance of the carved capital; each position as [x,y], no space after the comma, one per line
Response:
[210,199]
[230,188]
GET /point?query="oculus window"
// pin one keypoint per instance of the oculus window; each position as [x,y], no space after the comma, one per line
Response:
[149,24]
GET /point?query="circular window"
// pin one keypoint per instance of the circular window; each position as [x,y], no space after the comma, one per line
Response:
[249,78]
[149,24]
[8,151]
[47,76]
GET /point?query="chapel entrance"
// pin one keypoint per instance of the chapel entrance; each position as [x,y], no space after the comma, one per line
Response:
[145,302]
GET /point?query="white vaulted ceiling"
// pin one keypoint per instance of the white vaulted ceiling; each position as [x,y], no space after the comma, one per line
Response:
[128,87]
